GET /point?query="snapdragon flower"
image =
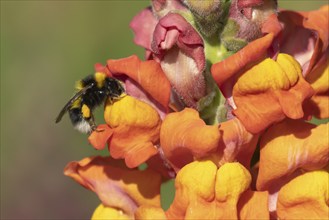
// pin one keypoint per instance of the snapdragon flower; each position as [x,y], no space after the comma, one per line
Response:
[222,81]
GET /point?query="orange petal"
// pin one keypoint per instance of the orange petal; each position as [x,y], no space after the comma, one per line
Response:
[150,212]
[148,74]
[116,186]
[98,139]
[319,78]
[203,192]
[269,92]
[272,25]
[318,20]
[250,54]
[318,106]
[184,136]
[136,130]
[305,197]
[305,26]
[160,165]
[236,142]
[105,213]
[288,146]
[253,205]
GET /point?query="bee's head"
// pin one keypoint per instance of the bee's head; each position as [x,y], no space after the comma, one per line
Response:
[114,87]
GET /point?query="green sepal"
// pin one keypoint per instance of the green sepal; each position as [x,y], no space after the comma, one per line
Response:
[212,107]
[229,39]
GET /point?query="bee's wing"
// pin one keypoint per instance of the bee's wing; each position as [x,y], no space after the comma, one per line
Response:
[71,101]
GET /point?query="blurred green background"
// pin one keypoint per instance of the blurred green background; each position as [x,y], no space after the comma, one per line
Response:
[45,47]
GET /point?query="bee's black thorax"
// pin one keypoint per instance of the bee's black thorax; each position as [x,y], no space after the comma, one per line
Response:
[94,97]
[113,87]
[97,94]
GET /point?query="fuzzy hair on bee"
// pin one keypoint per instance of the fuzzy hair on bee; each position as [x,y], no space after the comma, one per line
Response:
[92,91]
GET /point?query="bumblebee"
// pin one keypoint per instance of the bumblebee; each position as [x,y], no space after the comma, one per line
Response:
[92,91]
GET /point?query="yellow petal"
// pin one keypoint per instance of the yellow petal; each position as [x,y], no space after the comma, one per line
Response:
[195,191]
[108,213]
[203,192]
[232,180]
[270,75]
[129,110]
[305,197]
[136,130]
[291,69]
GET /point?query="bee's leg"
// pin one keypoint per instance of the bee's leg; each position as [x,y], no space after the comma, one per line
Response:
[117,97]
[89,117]
[110,99]
[93,125]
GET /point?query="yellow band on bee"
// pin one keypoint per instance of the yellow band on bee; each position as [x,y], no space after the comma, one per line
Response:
[100,79]
[76,103]
[85,111]
[79,85]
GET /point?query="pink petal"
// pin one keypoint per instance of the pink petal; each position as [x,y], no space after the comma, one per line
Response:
[143,25]
[181,53]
